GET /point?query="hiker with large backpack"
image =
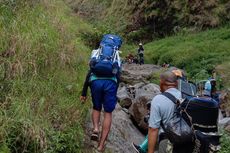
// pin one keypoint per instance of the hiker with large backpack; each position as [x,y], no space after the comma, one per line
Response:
[162,111]
[103,79]
[140,52]
[193,128]
[184,125]
[186,90]
[210,89]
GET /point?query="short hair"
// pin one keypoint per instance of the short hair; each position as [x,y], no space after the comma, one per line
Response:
[169,76]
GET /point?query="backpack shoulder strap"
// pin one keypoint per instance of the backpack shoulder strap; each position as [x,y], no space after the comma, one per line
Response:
[171,97]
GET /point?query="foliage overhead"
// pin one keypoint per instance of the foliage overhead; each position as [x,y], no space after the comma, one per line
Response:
[148,19]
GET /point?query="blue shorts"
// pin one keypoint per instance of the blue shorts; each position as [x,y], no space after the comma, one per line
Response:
[104,93]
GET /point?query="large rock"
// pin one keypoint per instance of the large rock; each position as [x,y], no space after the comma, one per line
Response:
[147,91]
[227,128]
[138,110]
[122,133]
[224,122]
[133,73]
[127,93]
[124,98]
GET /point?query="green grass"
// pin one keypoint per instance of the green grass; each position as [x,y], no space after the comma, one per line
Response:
[43,63]
[223,70]
[225,139]
[197,53]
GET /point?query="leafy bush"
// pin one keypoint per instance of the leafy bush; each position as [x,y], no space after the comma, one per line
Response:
[91,39]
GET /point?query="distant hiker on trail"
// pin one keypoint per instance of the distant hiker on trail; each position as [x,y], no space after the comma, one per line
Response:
[162,110]
[103,78]
[210,90]
[135,59]
[140,52]
[164,65]
[129,58]
[207,88]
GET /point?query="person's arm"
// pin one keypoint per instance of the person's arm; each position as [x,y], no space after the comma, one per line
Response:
[152,139]
[85,86]
[154,123]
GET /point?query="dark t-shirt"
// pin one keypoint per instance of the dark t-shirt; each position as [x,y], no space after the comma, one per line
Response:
[140,50]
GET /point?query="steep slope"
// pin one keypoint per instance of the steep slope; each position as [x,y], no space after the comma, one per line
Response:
[149,19]
[42,66]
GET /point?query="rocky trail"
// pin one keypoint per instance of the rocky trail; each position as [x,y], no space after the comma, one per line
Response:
[134,92]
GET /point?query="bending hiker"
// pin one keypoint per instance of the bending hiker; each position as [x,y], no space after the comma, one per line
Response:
[199,112]
[162,110]
[103,81]
[210,90]
[143,147]
[140,52]
[130,58]
[204,122]
[135,59]
[207,88]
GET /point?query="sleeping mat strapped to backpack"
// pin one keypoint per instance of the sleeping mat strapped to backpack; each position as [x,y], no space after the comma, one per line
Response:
[203,112]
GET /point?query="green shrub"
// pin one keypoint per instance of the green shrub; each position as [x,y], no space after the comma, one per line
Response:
[91,39]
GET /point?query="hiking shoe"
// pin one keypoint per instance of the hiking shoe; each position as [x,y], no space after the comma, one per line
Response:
[137,148]
[94,136]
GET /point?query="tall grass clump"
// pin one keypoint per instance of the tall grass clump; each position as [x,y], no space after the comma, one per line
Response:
[42,68]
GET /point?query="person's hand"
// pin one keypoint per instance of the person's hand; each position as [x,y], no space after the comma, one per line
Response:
[83,98]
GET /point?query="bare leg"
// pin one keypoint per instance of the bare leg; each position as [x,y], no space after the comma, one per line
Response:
[105,130]
[96,119]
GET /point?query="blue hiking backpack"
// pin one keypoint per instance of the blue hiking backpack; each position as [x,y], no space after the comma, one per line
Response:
[105,61]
